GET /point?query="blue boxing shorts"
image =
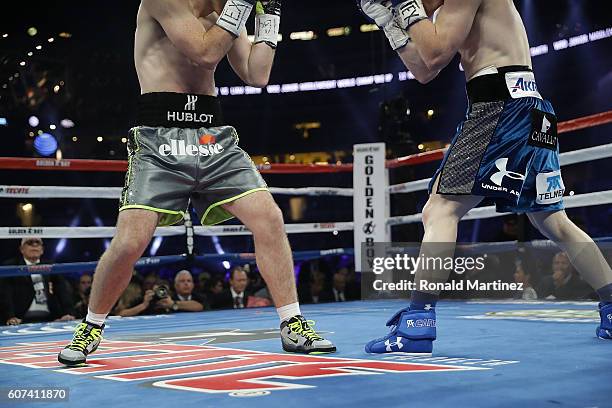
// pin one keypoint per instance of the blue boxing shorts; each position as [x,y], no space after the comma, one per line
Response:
[507,148]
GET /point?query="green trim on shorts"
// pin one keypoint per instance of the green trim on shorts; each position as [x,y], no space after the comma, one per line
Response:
[128,176]
[169,217]
[215,214]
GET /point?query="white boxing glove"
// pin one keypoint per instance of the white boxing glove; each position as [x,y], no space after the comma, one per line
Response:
[408,12]
[234,16]
[381,12]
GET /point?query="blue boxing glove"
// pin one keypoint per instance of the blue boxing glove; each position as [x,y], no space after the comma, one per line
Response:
[381,12]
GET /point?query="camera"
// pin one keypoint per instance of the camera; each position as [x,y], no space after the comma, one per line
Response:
[161,292]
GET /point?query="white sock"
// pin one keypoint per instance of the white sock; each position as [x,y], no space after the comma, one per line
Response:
[95,318]
[288,311]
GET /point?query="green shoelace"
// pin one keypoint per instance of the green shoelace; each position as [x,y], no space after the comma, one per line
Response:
[305,329]
[82,337]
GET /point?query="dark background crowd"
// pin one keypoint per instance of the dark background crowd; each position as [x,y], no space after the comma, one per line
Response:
[33,297]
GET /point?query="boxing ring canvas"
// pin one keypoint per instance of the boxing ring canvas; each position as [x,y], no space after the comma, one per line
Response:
[489,353]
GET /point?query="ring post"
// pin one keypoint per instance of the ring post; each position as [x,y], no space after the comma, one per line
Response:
[370,199]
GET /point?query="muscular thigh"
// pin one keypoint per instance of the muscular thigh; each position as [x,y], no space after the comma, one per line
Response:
[136,225]
[457,205]
[252,206]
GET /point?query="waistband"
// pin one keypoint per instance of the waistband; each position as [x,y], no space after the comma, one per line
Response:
[176,110]
[510,82]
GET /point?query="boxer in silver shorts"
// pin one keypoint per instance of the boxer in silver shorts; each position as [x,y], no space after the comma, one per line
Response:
[181,150]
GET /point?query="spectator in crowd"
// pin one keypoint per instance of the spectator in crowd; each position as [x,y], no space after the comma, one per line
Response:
[564,283]
[81,298]
[203,282]
[510,229]
[522,275]
[337,292]
[317,286]
[131,302]
[261,298]
[311,283]
[353,288]
[185,299]
[214,287]
[150,280]
[153,301]
[256,282]
[33,297]
[235,296]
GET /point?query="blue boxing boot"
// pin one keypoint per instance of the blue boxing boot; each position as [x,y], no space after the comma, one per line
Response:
[604,330]
[412,332]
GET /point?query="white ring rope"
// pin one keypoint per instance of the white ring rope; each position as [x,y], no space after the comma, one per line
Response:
[109,232]
[579,200]
[567,158]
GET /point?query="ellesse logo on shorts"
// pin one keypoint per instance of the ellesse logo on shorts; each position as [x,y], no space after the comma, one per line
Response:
[208,147]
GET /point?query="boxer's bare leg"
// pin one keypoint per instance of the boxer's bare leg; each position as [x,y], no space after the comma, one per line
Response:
[441,216]
[135,228]
[577,244]
[263,218]
[260,214]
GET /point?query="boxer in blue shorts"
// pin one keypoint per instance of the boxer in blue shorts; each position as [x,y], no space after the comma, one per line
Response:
[506,149]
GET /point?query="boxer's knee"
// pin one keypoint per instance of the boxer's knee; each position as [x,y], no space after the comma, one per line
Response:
[269,223]
[555,226]
[439,210]
[127,248]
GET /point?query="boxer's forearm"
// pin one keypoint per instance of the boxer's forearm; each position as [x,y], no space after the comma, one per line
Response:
[260,64]
[413,61]
[433,46]
[215,45]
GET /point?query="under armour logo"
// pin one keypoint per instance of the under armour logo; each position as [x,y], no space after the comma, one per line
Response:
[191,103]
[498,177]
[428,307]
[397,343]
[554,183]
[368,228]
[545,125]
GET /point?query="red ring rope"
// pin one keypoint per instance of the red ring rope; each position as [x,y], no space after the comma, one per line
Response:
[21,163]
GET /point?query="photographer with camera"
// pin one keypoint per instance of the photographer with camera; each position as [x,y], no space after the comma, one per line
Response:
[154,301]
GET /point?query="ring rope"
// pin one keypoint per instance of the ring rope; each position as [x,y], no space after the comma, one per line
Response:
[578,200]
[218,230]
[7,191]
[20,163]
[567,158]
[80,267]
